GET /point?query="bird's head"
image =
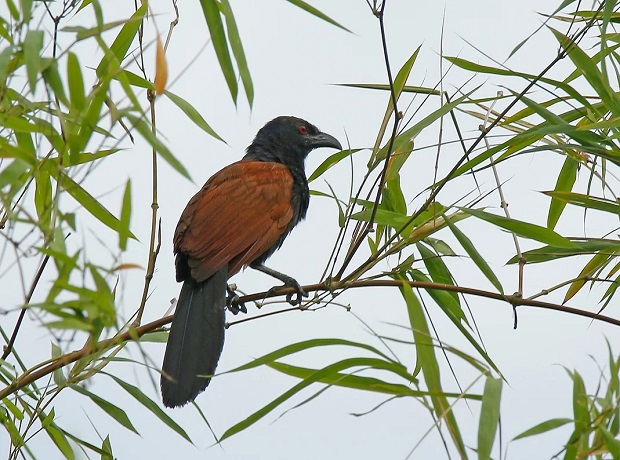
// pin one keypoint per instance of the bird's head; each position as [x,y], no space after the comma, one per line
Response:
[288,140]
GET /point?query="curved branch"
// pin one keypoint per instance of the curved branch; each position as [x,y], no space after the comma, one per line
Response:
[134,334]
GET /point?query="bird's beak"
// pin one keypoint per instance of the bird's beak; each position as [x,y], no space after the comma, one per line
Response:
[324,140]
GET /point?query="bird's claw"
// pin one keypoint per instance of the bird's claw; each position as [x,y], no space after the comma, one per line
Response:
[293,298]
[232,301]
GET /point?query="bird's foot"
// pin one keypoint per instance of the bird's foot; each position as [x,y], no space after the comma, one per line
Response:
[232,301]
[293,298]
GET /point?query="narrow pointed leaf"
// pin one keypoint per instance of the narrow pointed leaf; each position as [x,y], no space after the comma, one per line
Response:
[524,229]
[472,252]
[151,406]
[312,10]
[211,12]
[192,114]
[489,417]
[566,180]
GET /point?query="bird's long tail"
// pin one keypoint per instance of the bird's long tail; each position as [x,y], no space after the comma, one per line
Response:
[196,339]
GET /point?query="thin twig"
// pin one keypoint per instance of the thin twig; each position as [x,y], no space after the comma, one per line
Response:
[359,239]
[500,191]
[9,346]
[150,269]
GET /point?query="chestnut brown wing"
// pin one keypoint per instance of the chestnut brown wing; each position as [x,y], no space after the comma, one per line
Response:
[239,214]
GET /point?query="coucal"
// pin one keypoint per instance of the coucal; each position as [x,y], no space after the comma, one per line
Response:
[239,218]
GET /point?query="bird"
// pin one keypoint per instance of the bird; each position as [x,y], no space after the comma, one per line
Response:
[239,218]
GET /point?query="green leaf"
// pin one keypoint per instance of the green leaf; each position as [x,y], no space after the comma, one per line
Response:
[325,373]
[211,13]
[113,57]
[565,182]
[479,68]
[399,83]
[89,203]
[26,10]
[76,83]
[134,80]
[43,199]
[192,114]
[237,49]
[123,231]
[489,417]
[448,301]
[113,411]
[145,130]
[33,43]
[302,346]
[59,376]
[411,133]
[580,404]
[524,229]
[472,252]
[546,253]
[151,406]
[427,361]
[612,444]
[52,78]
[596,262]
[106,447]
[543,427]
[383,87]
[586,201]
[312,10]
[356,382]
[5,59]
[590,71]
[57,435]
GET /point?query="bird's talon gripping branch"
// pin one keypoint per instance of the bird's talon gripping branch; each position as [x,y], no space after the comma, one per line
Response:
[293,298]
[232,301]
[299,295]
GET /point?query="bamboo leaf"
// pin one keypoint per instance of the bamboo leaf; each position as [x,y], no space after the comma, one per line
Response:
[33,43]
[237,49]
[566,180]
[543,427]
[76,83]
[524,229]
[590,71]
[211,13]
[145,131]
[302,346]
[597,261]
[330,161]
[489,417]
[581,413]
[313,11]
[89,203]
[192,114]
[471,250]
[114,56]
[151,406]
[123,230]
[427,360]
[325,373]
[113,411]
[586,201]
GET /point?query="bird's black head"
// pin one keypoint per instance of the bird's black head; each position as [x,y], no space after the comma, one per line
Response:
[288,140]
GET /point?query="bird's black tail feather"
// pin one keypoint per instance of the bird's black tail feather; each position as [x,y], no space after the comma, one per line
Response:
[196,339]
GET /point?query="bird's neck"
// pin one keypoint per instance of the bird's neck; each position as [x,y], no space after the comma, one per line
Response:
[286,155]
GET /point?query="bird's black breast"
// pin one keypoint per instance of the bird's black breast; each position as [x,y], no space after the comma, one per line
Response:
[300,200]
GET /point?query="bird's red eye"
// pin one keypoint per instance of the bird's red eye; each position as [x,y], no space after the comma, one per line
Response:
[303,129]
